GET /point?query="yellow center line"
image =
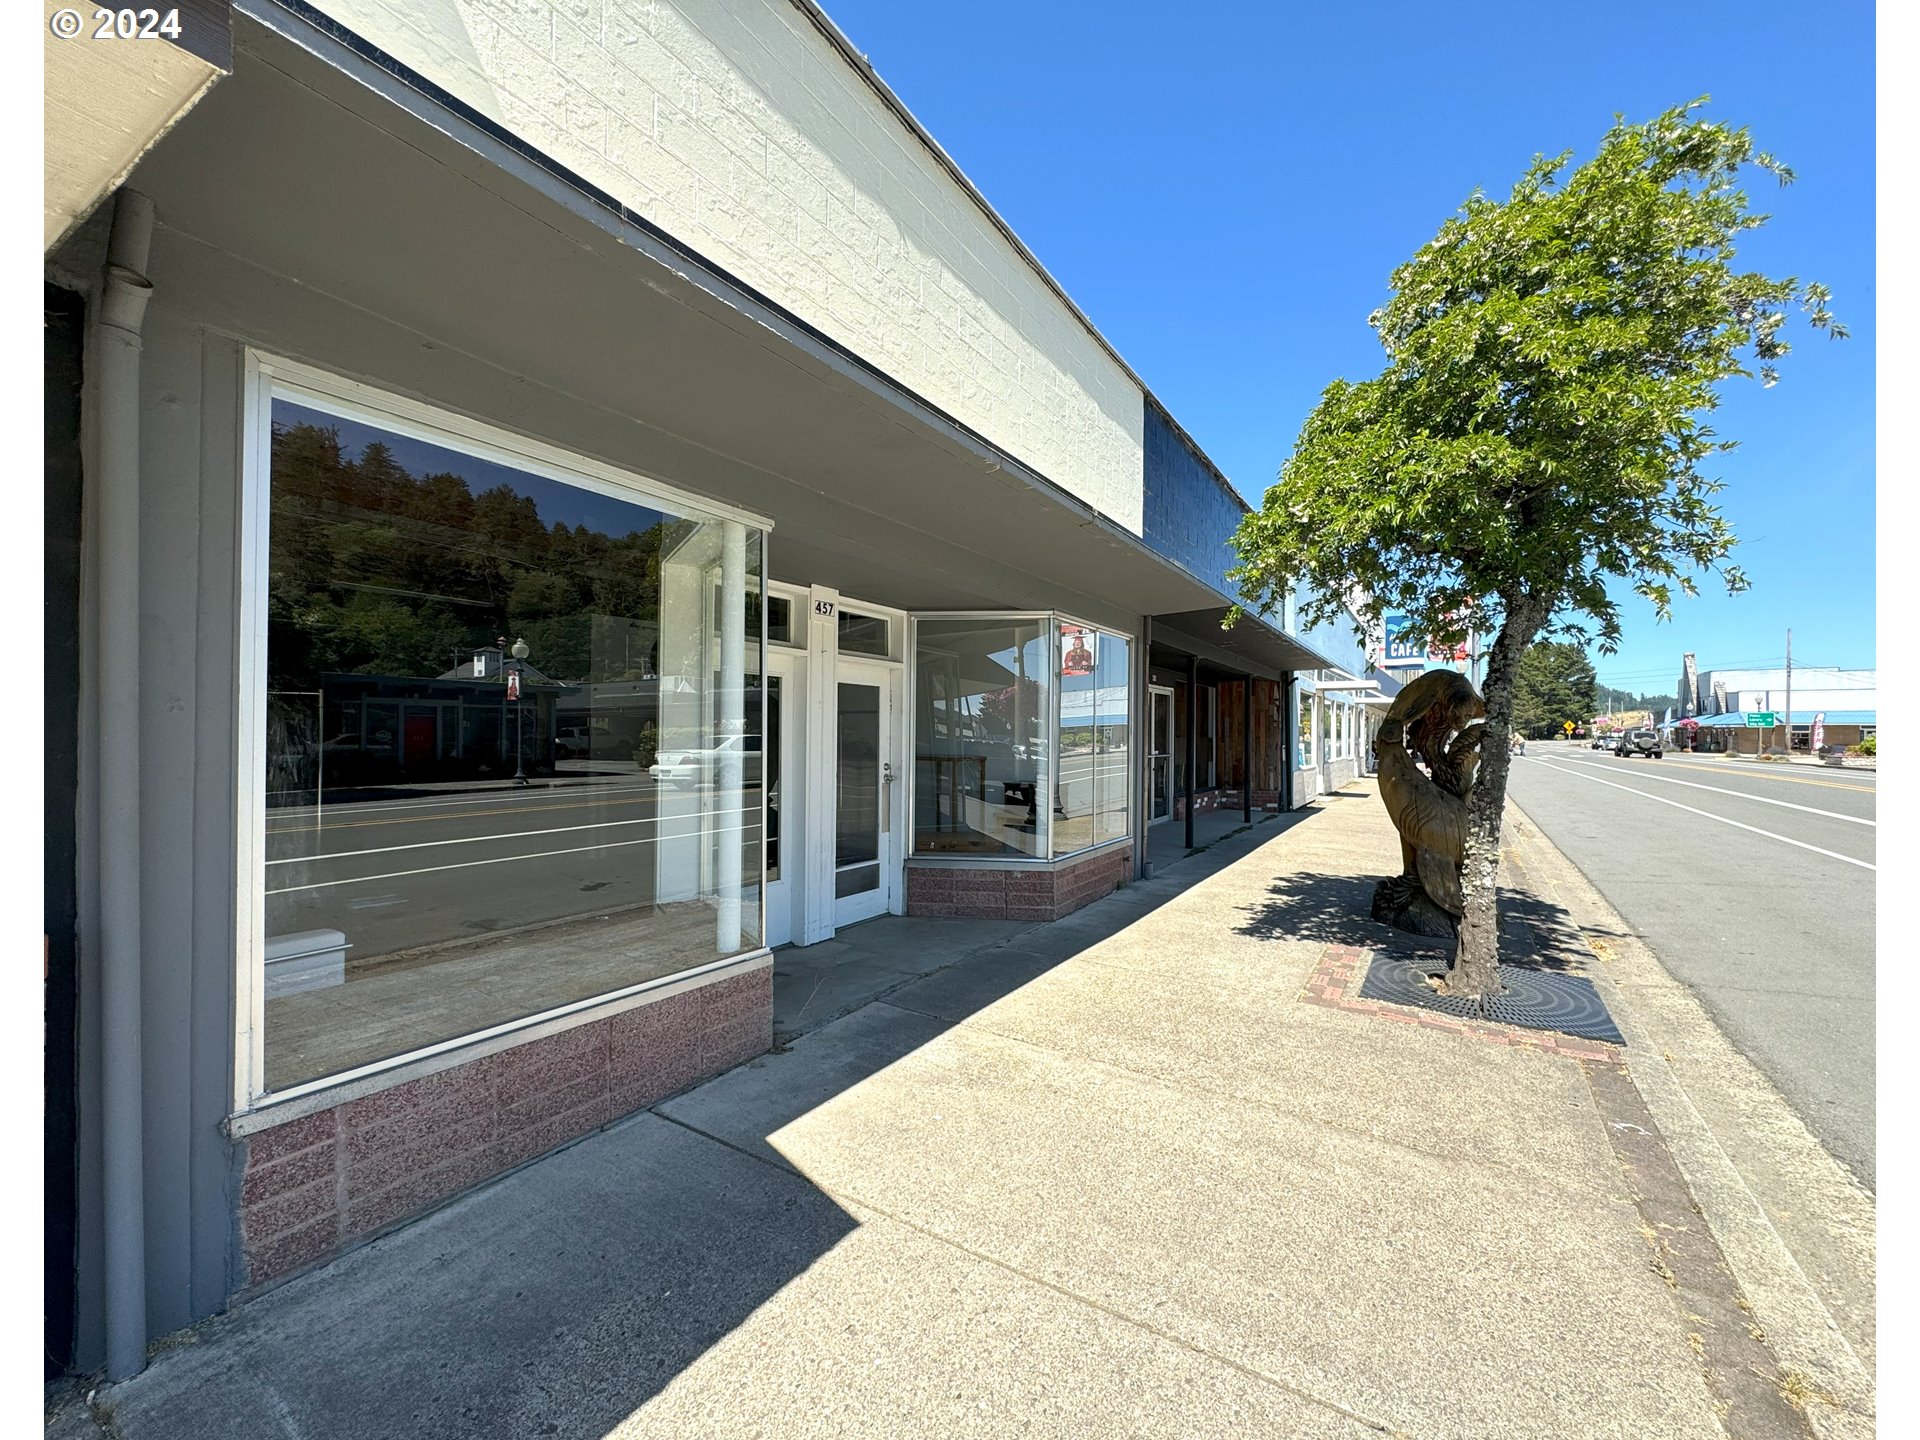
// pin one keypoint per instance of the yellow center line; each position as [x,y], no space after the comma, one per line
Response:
[1758,774]
[467,814]
[1736,767]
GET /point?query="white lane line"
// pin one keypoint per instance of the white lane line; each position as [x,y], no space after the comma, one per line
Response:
[1736,794]
[483,839]
[1708,814]
[497,860]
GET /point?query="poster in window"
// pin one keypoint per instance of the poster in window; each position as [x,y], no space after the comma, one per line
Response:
[1076,657]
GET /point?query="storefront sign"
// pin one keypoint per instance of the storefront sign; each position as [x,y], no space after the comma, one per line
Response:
[1404,649]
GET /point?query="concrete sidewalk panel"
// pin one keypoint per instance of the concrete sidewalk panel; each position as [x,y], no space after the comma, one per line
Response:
[1401,1084]
[893,1334]
[555,1302]
[1439,1297]
[821,1067]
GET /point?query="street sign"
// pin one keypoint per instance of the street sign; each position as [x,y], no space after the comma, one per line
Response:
[1567,725]
[1761,719]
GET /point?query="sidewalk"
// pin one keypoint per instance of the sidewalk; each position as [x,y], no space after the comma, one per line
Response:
[1107,1177]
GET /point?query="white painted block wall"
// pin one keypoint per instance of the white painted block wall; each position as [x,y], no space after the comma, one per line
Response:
[738,128]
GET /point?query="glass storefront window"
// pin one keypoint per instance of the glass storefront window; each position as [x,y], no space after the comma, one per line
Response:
[1114,740]
[1091,750]
[1023,736]
[512,730]
[982,722]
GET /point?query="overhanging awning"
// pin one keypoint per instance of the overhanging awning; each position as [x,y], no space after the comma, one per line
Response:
[1251,646]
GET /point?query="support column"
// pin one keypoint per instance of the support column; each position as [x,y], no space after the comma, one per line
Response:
[1193,741]
[1246,753]
[1140,742]
[1289,722]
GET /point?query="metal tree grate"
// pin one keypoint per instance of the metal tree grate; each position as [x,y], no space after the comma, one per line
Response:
[1533,999]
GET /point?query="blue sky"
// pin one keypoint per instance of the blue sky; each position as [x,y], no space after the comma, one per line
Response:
[1225,189]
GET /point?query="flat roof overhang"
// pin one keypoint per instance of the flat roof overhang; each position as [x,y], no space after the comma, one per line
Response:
[107,101]
[314,194]
[1250,646]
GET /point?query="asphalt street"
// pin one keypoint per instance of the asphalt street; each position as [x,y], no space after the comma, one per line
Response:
[1755,886]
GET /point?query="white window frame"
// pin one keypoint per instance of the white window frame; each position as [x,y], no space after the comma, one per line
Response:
[265,378]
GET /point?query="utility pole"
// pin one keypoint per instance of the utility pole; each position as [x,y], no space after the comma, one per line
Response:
[1789,715]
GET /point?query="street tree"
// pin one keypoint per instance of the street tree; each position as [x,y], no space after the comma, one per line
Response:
[1540,427]
[1553,684]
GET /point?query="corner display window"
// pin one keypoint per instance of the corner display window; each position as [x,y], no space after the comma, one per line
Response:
[512,754]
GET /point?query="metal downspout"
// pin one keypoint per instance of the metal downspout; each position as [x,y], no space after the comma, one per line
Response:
[124,294]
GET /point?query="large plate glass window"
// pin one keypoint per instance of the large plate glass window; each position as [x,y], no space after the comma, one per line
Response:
[1093,750]
[982,729]
[512,749]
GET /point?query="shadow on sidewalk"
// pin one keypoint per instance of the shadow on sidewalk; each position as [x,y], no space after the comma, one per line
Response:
[1337,910]
[562,1298]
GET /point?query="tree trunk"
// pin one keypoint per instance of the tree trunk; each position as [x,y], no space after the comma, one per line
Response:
[1476,961]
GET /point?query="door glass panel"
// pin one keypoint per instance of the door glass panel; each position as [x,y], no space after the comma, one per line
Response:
[857,788]
[857,880]
[864,635]
[773,753]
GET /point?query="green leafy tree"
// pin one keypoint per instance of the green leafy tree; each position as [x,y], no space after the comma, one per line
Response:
[1552,684]
[1540,427]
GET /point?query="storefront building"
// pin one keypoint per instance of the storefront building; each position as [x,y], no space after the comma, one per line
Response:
[570,512]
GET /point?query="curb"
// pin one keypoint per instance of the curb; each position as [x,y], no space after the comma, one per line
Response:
[1659,1016]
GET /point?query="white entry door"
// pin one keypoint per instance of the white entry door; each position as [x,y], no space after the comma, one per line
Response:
[866,860]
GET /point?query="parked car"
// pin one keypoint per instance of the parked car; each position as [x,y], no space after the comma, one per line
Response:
[722,764]
[1603,742]
[571,741]
[1639,742]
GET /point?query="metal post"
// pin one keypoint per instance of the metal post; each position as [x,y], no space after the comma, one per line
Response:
[1193,742]
[1246,754]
